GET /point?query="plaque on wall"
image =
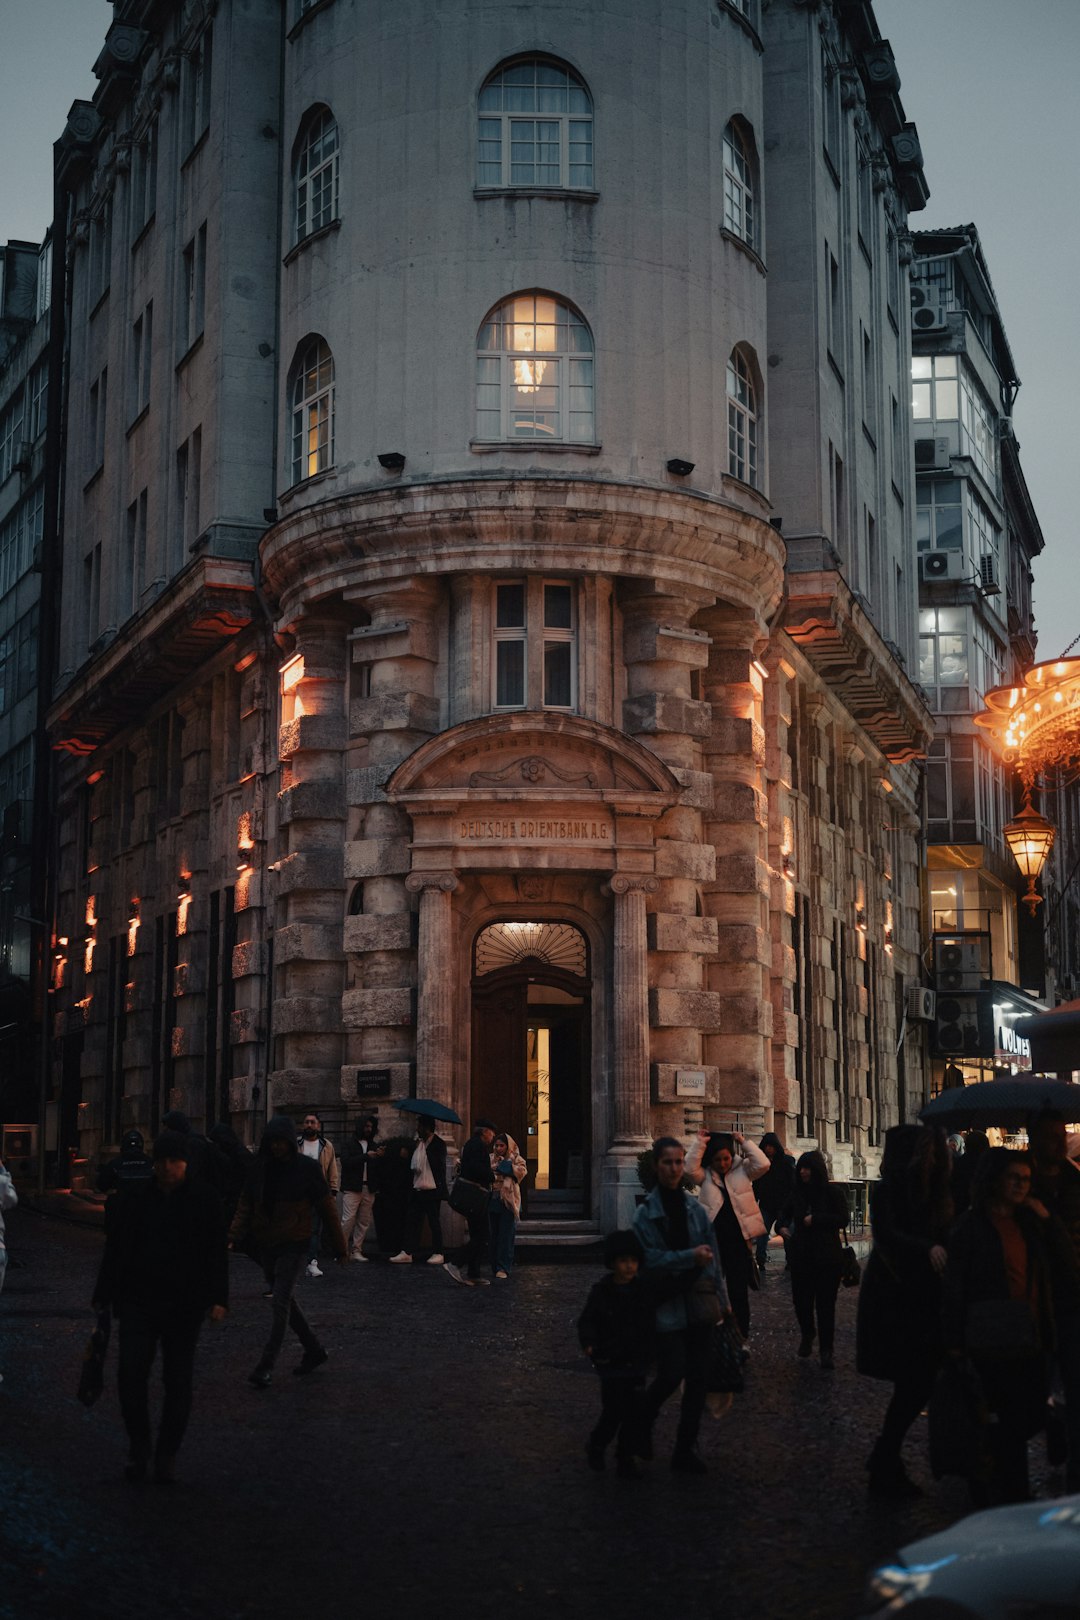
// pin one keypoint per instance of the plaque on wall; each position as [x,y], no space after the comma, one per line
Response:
[689,1082]
[373,1083]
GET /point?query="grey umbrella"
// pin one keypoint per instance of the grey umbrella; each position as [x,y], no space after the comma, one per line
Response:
[432,1110]
[1002,1102]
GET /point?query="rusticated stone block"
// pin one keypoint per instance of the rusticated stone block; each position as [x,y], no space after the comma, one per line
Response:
[406,639]
[248,959]
[665,1084]
[741,738]
[398,1082]
[742,874]
[302,1088]
[694,1009]
[246,1025]
[741,942]
[645,642]
[188,1040]
[698,790]
[311,801]
[395,932]
[296,1015]
[384,1008]
[365,786]
[311,869]
[671,931]
[313,733]
[654,712]
[249,894]
[738,801]
[674,858]
[730,665]
[746,1015]
[394,711]
[307,942]
[377,857]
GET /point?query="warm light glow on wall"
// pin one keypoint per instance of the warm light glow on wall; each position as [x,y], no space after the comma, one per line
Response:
[133,927]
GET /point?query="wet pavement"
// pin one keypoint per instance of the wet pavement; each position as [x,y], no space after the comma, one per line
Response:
[434,1466]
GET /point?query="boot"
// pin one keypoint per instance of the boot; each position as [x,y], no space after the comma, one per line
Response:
[889,1478]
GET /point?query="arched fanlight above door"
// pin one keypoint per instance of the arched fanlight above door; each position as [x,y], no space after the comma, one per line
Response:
[554,944]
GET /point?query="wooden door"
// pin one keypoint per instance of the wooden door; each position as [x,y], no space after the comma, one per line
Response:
[498,1057]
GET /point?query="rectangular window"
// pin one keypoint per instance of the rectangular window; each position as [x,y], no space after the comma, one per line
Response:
[939,515]
[100,261]
[835,311]
[18,660]
[934,395]
[838,503]
[977,438]
[142,341]
[143,193]
[193,291]
[44,280]
[12,425]
[892,275]
[37,399]
[133,574]
[943,658]
[195,107]
[899,460]
[869,387]
[866,202]
[188,491]
[830,95]
[535,644]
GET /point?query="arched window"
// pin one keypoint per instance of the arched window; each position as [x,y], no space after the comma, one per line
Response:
[534,372]
[739,213]
[742,416]
[535,128]
[311,398]
[316,171]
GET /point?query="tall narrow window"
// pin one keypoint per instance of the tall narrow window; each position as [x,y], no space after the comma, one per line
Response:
[535,644]
[742,419]
[739,210]
[534,372]
[142,342]
[312,400]
[143,191]
[316,173]
[195,110]
[535,128]
[192,305]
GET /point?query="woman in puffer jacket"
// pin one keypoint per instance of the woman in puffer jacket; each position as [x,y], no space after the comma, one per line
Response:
[509,1170]
[724,1166]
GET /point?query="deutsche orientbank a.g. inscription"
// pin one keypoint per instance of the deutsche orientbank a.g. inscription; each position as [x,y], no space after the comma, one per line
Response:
[534,829]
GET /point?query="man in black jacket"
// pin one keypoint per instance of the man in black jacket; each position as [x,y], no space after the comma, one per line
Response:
[428,1167]
[475,1165]
[165,1266]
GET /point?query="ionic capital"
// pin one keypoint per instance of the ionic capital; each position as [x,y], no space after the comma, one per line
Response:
[417,882]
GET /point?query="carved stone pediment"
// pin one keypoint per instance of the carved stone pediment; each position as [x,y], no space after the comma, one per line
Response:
[542,755]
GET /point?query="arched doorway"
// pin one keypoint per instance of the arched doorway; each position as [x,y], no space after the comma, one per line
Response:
[530,1054]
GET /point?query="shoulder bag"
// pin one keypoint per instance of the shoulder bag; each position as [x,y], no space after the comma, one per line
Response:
[850,1269]
[469,1198]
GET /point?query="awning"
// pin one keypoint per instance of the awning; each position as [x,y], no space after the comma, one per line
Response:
[1055,1038]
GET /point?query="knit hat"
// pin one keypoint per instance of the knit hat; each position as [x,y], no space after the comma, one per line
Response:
[171,1145]
[622,1245]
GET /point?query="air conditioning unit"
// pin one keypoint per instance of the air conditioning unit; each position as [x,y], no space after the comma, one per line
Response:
[989,583]
[955,1031]
[958,965]
[928,312]
[934,565]
[920,1003]
[933,455]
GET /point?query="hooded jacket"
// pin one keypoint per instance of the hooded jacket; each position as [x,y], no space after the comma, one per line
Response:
[8,1199]
[280,1195]
[166,1251]
[773,1190]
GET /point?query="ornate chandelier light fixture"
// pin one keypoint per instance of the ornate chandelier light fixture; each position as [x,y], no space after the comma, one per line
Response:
[1034,726]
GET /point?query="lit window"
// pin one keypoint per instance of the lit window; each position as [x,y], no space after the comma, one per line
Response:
[312,400]
[535,644]
[316,173]
[534,372]
[535,128]
[742,409]
[739,216]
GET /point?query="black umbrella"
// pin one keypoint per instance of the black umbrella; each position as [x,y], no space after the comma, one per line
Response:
[424,1105]
[1002,1102]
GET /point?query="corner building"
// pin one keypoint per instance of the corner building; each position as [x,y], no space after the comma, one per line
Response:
[477,778]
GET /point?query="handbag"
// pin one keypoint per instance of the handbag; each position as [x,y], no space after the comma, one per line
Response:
[702,1302]
[1001,1329]
[92,1372]
[850,1269]
[469,1198]
[725,1374]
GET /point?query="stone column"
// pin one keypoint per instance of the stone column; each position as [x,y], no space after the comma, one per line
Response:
[434,1000]
[630,1052]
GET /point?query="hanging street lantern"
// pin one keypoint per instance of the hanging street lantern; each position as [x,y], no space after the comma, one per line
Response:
[1030,837]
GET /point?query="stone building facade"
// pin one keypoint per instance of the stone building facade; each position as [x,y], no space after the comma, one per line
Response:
[449,716]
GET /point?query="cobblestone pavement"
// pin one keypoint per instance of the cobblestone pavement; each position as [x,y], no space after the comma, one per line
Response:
[434,1466]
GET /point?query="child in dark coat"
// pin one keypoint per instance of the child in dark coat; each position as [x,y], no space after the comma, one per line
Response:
[617,1330]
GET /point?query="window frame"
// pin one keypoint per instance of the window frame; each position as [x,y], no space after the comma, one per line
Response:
[740,184]
[536,637]
[306,411]
[310,166]
[743,419]
[498,366]
[563,120]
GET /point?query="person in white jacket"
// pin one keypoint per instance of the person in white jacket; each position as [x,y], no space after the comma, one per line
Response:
[724,1166]
[8,1199]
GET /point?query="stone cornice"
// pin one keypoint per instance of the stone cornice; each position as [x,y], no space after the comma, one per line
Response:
[350,544]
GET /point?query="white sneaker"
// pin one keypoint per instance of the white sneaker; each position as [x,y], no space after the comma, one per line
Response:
[401,1258]
[356,1255]
[314,1269]
[501,1275]
[437,1260]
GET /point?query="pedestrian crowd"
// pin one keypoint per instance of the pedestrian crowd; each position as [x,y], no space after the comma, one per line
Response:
[969,1304]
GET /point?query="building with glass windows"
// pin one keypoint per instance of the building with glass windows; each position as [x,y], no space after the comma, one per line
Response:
[25,296]
[977,537]
[489,598]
